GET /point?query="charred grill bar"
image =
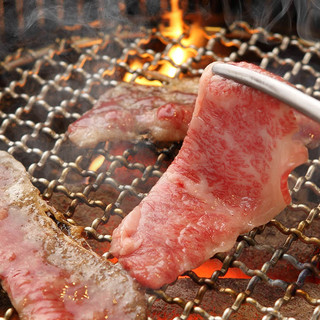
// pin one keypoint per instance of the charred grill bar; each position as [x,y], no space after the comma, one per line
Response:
[43,89]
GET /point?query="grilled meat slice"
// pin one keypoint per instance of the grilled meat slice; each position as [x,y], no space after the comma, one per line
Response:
[47,275]
[229,176]
[129,110]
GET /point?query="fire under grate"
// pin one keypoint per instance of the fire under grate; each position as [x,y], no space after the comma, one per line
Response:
[271,273]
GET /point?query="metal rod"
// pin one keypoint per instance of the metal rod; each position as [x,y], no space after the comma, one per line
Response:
[275,88]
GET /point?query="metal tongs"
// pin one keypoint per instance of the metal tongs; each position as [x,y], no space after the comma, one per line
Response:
[275,88]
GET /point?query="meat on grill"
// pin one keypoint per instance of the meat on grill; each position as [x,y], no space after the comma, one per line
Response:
[128,111]
[46,274]
[229,176]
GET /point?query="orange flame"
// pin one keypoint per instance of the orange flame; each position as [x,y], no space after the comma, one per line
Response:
[176,24]
[178,53]
[136,65]
[98,161]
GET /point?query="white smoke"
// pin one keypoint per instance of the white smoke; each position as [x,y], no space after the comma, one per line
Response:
[308,18]
[302,16]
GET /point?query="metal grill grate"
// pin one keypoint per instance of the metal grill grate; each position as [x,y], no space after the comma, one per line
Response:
[43,91]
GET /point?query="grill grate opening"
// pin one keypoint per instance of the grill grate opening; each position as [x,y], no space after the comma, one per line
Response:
[271,272]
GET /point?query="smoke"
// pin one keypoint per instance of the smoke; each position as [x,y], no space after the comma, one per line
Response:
[308,19]
[31,21]
[75,13]
[285,16]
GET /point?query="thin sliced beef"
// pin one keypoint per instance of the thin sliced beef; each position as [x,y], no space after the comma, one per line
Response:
[47,275]
[130,110]
[229,176]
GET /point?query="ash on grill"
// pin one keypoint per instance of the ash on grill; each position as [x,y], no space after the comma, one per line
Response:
[43,91]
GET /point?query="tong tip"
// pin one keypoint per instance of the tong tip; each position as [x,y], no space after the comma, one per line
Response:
[269,85]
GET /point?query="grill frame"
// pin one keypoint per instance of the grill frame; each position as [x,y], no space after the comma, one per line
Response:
[88,61]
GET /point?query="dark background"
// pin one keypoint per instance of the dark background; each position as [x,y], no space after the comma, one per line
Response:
[26,25]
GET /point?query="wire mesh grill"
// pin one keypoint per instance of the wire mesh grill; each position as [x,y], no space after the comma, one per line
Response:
[274,268]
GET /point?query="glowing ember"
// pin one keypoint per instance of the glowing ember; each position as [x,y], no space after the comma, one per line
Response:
[96,163]
[206,270]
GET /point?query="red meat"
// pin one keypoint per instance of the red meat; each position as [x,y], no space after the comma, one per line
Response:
[229,176]
[47,275]
[128,111]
